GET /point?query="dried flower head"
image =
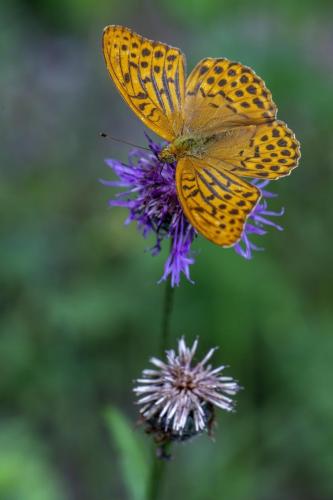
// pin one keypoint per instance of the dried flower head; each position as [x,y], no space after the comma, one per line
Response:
[177,398]
[151,198]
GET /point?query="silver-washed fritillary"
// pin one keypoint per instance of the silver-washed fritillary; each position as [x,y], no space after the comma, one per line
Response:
[220,123]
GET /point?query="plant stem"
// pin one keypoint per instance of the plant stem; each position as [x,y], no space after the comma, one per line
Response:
[158,462]
[167,308]
[156,477]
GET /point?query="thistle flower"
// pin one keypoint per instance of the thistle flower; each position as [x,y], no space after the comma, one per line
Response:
[178,397]
[152,201]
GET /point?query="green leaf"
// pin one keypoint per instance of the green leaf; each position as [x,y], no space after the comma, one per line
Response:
[133,459]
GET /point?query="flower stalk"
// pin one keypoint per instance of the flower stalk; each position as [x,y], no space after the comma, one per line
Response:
[166,317]
[162,454]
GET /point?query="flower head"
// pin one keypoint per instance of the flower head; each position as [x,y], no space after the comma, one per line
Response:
[151,198]
[178,397]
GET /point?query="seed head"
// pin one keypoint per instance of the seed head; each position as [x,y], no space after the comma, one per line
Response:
[178,397]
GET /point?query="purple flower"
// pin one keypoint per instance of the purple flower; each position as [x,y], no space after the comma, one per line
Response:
[152,201]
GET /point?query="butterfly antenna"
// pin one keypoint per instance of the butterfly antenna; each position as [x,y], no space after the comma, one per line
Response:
[103,134]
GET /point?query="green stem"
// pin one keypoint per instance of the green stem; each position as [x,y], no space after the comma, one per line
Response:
[156,477]
[158,463]
[167,308]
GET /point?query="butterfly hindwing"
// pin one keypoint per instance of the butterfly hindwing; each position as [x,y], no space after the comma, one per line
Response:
[150,77]
[221,93]
[267,151]
[216,203]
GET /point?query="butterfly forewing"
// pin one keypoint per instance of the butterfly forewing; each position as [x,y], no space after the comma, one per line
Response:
[150,77]
[221,94]
[216,203]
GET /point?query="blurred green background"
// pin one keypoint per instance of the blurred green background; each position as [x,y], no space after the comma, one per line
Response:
[80,307]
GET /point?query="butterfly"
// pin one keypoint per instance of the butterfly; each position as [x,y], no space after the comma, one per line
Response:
[219,122]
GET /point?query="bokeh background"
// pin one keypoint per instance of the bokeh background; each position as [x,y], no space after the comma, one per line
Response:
[80,307]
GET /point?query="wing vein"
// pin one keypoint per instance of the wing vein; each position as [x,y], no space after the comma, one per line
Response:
[166,86]
[208,186]
[153,81]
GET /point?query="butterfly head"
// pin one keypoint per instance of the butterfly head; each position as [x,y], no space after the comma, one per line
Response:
[168,154]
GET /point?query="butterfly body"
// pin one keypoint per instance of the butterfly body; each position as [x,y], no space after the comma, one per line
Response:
[220,124]
[186,145]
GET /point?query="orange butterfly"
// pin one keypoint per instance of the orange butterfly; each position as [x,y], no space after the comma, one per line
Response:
[220,124]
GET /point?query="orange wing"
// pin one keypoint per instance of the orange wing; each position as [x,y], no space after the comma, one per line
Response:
[150,76]
[216,203]
[221,94]
[269,150]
